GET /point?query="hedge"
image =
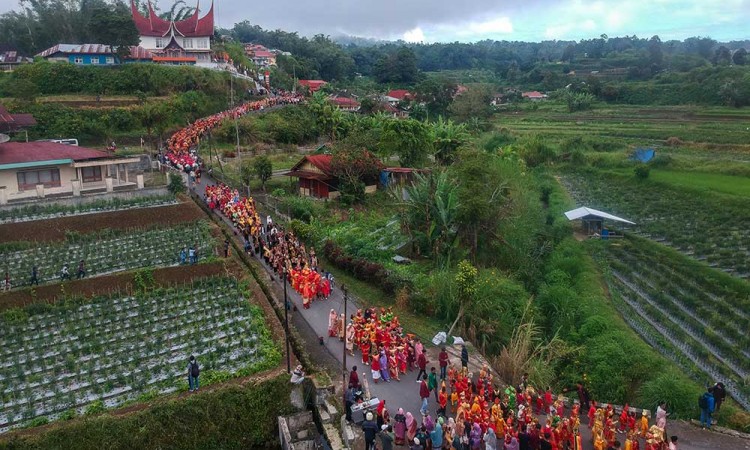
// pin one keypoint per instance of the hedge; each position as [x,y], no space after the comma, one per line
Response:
[230,417]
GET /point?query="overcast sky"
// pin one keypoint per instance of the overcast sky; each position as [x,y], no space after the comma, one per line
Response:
[472,20]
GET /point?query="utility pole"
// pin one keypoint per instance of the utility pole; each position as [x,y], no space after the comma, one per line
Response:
[286,325]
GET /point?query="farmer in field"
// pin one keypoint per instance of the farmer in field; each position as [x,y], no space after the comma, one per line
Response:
[193,372]
[81,269]
[6,282]
[183,255]
[192,256]
[34,276]
[64,273]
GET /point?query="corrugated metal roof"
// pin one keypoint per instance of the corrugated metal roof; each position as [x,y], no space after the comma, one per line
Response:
[27,152]
[586,211]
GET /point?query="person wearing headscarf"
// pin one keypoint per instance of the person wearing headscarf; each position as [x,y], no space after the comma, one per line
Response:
[436,435]
[383,415]
[511,443]
[333,320]
[490,439]
[449,435]
[399,427]
[384,372]
[411,427]
[416,444]
[476,437]
[429,424]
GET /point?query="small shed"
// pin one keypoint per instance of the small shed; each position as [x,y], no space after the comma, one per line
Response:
[593,219]
[315,177]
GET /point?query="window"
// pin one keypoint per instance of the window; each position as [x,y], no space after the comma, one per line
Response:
[159,43]
[28,180]
[95,60]
[110,60]
[91,174]
[187,43]
[202,43]
[78,60]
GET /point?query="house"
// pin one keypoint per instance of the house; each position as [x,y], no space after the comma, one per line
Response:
[10,59]
[316,178]
[312,85]
[401,95]
[398,178]
[460,89]
[534,96]
[498,99]
[11,123]
[32,170]
[93,54]
[260,55]
[344,103]
[188,38]
[393,110]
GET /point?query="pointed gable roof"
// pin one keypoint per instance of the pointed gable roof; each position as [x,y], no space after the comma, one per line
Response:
[153,25]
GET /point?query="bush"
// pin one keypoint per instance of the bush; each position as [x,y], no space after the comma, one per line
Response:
[673,141]
[642,171]
[176,184]
[661,161]
[681,397]
[535,151]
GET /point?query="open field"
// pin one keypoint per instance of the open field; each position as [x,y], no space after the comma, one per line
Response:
[101,353]
[709,227]
[634,125]
[698,181]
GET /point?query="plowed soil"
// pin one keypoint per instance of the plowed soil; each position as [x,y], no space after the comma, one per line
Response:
[55,229]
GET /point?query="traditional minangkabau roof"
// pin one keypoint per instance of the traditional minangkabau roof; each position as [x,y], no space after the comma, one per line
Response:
[153,25]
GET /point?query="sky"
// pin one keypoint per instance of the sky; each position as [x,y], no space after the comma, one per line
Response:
[473,20]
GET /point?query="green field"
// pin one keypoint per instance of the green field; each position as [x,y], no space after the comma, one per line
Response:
[702,182]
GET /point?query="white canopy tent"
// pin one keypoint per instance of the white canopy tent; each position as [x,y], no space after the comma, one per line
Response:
[593,220]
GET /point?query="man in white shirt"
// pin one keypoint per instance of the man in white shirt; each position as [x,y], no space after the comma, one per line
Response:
[673,443]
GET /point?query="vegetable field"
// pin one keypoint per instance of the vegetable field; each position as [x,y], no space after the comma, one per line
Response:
[708,227]
[693,315]
[41,212]
[104,252]
[80,357]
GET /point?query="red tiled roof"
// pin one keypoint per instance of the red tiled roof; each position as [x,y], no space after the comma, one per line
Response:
[322,162]
[24,152]
[344,101]
[262,54]
[308,175]
[533,94]
[400,94]
[153,25]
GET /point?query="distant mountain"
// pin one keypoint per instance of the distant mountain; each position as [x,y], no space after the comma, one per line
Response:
[346,40]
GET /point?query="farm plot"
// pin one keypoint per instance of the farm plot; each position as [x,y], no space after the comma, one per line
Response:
[700,323]
[104,252]
[708,227]
[72,357]
[53,211]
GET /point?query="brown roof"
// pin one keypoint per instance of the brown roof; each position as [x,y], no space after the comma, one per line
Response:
[25,152]
[14,122]
[308,174]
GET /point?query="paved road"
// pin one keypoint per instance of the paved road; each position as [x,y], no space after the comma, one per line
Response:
[405,394]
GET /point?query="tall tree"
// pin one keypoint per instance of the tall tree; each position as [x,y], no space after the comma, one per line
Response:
[447,137]
[436,93]
[409,139]
[739,57]
[475,102]
[114,26]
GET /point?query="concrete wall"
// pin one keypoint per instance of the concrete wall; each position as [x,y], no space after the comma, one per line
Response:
[88,198]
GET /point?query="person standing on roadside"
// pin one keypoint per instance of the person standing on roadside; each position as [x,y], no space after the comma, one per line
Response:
[193,372]
[707,404]
[370,428]
[720,393]
[464,358]
[443,360]
[424,394]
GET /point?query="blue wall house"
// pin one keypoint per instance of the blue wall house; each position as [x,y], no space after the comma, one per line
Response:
[93,55]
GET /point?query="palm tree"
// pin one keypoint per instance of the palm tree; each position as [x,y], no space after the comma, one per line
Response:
[447,136]
[179,11]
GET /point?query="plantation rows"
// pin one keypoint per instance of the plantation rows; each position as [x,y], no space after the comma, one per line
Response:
[704,331]
[106,252]
[713,229]
[54,211]
[118,348]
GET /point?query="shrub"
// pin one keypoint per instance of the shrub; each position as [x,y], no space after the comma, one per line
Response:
[229,154]
[535,151]
[673,141]
[681,397]
[642,171]
[661,161]
[176,184]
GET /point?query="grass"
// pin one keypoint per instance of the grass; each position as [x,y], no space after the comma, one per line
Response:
[724,184]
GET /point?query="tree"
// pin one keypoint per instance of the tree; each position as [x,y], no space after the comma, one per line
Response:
[447,137]
[398,67]
[475,102]
[722,56]
[328,117]
[569,53]
[655,55]
[263,170]
[113,25]
[155,116]
[247,172]
[354,167]
[436,93]
[407,138]
[739,57]
[23,90]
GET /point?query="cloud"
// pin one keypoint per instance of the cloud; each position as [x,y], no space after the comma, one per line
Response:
[415,35]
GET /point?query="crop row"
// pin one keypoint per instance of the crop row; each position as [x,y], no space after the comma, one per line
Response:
[106,253]
[709,228]
[42,212]
[119,347]
[675,344]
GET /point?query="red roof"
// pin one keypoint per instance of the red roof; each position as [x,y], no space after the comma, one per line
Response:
[344,101]
[262,54]
[25,152]
[533,94]
[153,25]
[322,162]
[12,122]
[313,85]
[400,94]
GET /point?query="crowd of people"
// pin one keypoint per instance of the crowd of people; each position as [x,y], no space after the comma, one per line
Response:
[474,412]
[181,147]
